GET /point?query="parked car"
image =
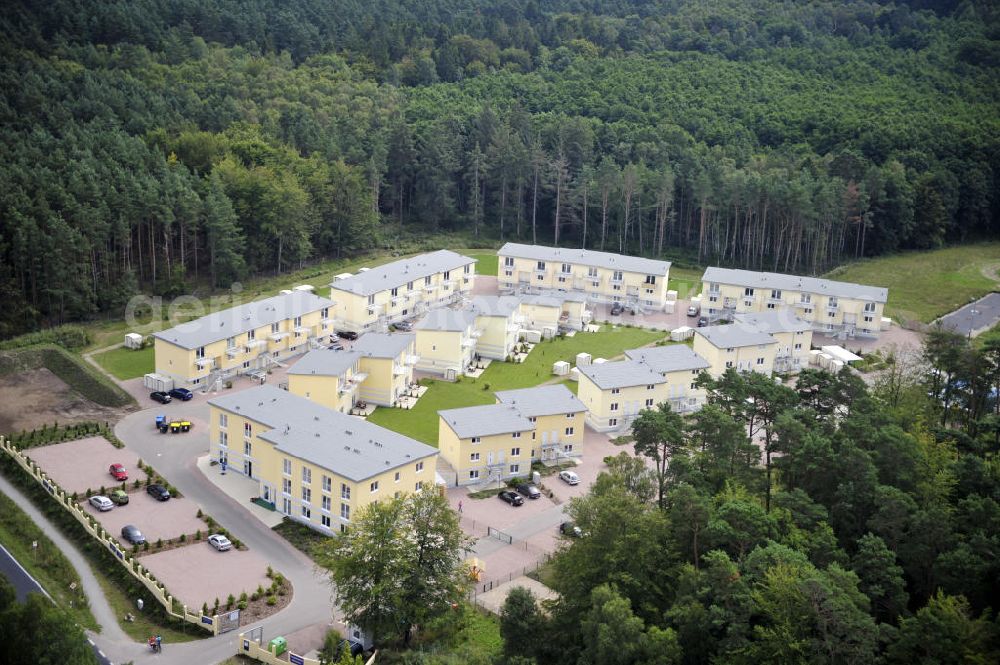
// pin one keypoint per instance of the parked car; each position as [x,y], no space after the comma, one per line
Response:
[693,310]
[336,346]
[118,471]
[569,477]
[529,490]
[133,535]
[513,498]
[102,503]
[119,497]
[702,322]
[570,529]
[182,394]
[347,334]
[220,542]
[404,326]
[160,396]
[616,309]
[158,492]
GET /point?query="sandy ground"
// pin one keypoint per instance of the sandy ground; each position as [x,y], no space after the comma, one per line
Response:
[38,397]
[83,464]
[155,519]
[198,574]
[493,600]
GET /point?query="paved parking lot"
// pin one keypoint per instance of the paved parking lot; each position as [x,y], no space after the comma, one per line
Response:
[83,464]
[156,519]
[198,574]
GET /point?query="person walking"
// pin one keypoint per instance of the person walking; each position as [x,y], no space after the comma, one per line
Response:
[459,506]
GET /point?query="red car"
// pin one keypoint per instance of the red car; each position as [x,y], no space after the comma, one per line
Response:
[118,471]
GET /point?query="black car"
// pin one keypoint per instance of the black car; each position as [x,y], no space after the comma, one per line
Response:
[513,498]
[702,322]
[182,394]
[616,309]
[529,490]
[160,396]
[347,334]
[336,346]
[133,535]
[158,492]
[570,529]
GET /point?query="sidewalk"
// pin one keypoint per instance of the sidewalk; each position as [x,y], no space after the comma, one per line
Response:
[493,600]
[241,489]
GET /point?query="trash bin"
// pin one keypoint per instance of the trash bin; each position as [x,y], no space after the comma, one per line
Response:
[278,646]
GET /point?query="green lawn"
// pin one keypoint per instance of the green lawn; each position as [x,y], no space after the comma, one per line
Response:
[685,281]
[925,285]
[421,422]
[125,363]
[486,262]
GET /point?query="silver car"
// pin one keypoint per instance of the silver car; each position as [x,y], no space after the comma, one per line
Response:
[219,542]
[102,503]
[569,477]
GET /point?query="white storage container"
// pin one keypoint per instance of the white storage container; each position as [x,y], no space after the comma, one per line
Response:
[582,359]
[560,368]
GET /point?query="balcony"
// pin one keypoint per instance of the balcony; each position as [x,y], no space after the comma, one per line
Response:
[632,290]
[468,342]
[302,330]
[202,363]
[234,351]
[412,359]
[803,303]
[278,336]
[254,343]
[617,280]
[398,370]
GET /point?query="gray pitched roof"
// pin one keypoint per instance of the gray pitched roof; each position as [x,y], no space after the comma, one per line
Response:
[325,362]
[398,273]
[773,321]
[383,345]
[773,280]
[446,319]
[495,305]
[237,320]
[348,446]
[542,400]
[585,257]
[734,335]
[485,420]
[621,374]
[553,297]
[670,358]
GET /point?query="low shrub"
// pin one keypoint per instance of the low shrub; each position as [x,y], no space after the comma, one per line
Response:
[272,601]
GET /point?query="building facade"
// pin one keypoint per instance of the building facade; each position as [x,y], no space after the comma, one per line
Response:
[387,361]
[602,276]
[373,298]
[499,319]
[616,392]
[446,341]
[735,346]
[836,308]
[249,338]
[329,378]
[315,465]
[792,335]
[680,366]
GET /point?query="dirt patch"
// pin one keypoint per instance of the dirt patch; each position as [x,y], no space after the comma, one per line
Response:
[991,271]
[37,397]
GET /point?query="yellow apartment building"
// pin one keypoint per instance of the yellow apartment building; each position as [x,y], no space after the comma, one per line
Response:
[735,346]
[552,310]
[602,276]
[498,318]
[496,442]
[315,465]
[836,308]
[615,392]
[244,339]
[387,361]
[327,377]
[446,341]
[680,366]
[373,298]
[792,334]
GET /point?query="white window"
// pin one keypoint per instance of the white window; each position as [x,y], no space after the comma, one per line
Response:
[345,491]
[540,277]
[324,313]
[419,485]
[569,431]
[275,327]
[325,519]
[694,386]
[798,346]
[326,503]
[447,275]
[246,364]
[748,292]
[474,457]
[420,467]
[650,387]
[327,483]
[345,512]
[306,512]
[540,265]
[286,506]
[199,352]
[427,280]
[614,406]
[592,272]
[508,273]
[476,439]
[394,292]
[776,294]
[223,420]
[869,319]
[247,448]
[770,305]
[374,486]
[612,422]
[396,477]
[650,279]
[649,403]
[516,435]
[567,268]
[251,335]
[616,391]
[515,468]
[831,314]
[247,430]
[286,466]
[532,419]
[307,495]
[474,474]
[224,439]
[508,261]
[515,452]
[869,307]
[568,448]
[760,361]
[729,363]
[833,302]
[307,474]
[286,486]
[616,276]
[713,287]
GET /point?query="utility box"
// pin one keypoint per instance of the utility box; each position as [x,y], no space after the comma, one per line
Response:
[574,374]
[560,368]
[158,382]
[278,645]
[681,334]
[133,341]
[583,359]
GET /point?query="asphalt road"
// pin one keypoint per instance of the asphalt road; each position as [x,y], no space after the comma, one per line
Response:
[976,316]
[24,584]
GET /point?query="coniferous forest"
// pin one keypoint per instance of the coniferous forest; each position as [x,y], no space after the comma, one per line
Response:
[153,145]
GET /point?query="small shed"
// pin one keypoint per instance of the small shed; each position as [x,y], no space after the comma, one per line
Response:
[682,333]
[309,288]
[886,322]
[600,361]
[285,292]
[343,275]
[560,368]
[814,356]
[532,336]
[133,341]
[824,360]
[841,354]
[583,358]
[574,374]
[671,295]
[157,382]
[548,332]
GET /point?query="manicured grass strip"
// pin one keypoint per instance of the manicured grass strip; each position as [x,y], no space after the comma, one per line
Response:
[685,281]
[925,285]
[421,422]
[125,363]
[486,262]
[46,562]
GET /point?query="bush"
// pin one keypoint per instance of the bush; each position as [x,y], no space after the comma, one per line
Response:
[197,534]
[230,601]
[204,609]
[242,604]
[272,601]
[243,596]
[183,538]
[159,543]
